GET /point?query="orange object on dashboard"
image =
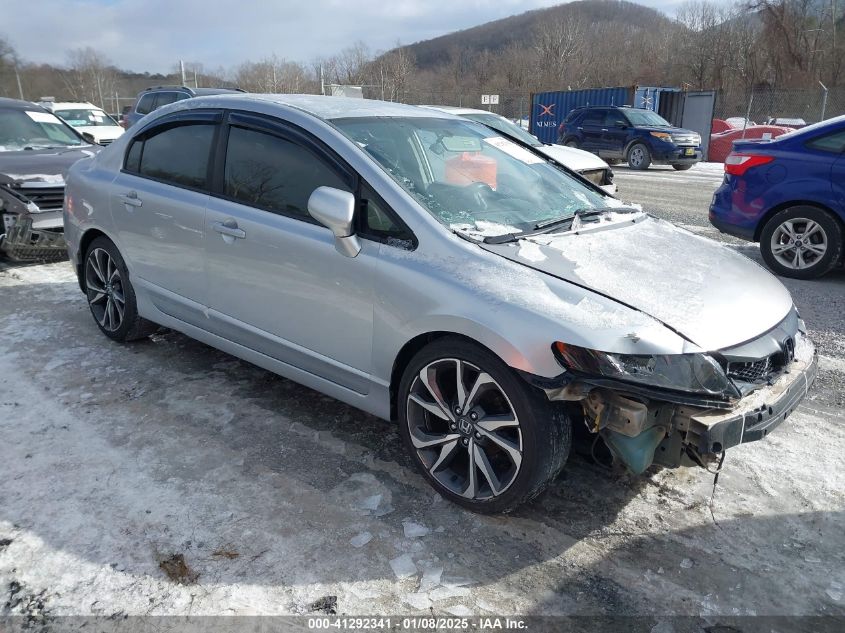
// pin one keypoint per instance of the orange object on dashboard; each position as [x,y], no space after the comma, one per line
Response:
[470,167]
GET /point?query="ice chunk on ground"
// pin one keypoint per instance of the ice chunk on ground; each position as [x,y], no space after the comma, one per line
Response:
[361,539]
[459,610]
[417,600]
[686,564]
[414,530]
[444,593]
[430,578]
[403,566]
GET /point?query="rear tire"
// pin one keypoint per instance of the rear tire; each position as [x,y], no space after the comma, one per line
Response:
[639,157]
[572,143]
[501,449]
[681,167]
[801,242]
[111,297]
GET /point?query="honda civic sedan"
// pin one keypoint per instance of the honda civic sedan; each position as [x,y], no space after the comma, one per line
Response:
[428,270]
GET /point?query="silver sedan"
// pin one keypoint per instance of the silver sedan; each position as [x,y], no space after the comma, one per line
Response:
[431,271]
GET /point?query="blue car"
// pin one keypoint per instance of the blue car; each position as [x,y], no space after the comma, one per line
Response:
[789,195]
[640,137]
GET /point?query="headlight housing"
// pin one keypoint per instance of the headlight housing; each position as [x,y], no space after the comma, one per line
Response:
[693,373]
[663,136]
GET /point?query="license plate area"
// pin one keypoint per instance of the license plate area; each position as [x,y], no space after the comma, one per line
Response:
[689,151]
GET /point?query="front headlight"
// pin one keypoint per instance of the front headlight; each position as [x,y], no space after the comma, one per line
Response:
[663,136]
[695,373]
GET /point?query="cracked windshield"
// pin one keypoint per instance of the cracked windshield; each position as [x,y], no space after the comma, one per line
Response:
[472,180]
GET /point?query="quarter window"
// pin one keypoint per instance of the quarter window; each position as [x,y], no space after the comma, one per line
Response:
[834,142]
[176,155]
[274,174]
[378,221]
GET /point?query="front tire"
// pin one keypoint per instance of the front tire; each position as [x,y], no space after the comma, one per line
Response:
[681,167]
[572,143]
[801,242]
[111,297]
[479,434]
[639,157]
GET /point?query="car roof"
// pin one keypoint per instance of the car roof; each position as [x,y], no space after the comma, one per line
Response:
[323,107]
[17,104]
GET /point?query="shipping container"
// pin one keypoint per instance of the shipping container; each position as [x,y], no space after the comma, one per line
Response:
[549,109]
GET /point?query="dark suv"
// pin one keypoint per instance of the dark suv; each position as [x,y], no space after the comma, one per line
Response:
[640,137]
[153,98]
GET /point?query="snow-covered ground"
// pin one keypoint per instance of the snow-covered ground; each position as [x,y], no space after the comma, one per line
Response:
[165,477]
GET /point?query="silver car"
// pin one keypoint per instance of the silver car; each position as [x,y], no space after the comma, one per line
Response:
[428,270]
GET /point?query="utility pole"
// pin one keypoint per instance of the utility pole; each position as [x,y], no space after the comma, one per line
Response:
[322,82]
[182,68]
[18,78]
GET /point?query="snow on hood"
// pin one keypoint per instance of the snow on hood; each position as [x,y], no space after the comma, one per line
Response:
[575,159]
[709,293]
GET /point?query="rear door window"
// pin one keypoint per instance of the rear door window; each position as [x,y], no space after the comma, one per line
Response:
[145,104]
[165,98]
[593,117]
[177,155]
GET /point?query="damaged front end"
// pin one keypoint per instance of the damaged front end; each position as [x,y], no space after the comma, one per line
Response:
[32,225]
[679,411]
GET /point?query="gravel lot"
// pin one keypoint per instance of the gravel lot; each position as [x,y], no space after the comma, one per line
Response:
[165,477]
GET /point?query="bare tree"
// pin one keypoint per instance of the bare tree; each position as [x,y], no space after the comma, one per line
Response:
[89,76]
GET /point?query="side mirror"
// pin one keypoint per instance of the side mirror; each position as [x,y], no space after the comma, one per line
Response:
[335,209]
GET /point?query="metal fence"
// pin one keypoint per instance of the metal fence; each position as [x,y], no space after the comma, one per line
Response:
[762,104]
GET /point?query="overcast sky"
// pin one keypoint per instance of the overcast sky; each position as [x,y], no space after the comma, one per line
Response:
[152,35]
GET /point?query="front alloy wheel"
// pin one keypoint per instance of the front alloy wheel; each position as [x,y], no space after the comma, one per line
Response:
[464,429]
[481,435]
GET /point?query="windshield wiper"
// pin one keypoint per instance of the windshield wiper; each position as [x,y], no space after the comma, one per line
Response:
[549,225]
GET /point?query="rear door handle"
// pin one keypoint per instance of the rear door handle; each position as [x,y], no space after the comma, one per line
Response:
[131,198]
[229,228]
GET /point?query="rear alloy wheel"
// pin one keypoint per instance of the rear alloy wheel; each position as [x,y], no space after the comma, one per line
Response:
[482,436]
[572,143]
[681,167]
[111,297]
[801,242]
[639,157]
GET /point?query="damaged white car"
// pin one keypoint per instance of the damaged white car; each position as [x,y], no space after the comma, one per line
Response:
[36,150]
[429,270]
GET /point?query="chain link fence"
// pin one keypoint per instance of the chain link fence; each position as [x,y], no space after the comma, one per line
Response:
[759,106]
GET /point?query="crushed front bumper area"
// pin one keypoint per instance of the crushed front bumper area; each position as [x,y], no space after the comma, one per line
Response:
[36,237]
[644,430]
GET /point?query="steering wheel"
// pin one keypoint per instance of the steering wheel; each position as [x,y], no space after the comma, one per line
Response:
[480,192]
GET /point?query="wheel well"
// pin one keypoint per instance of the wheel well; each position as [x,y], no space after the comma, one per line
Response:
[87,237]
[403,358]
[793,203]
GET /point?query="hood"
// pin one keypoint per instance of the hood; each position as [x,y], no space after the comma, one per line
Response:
[575,159]
[707,292]
[41,165]
[671,129]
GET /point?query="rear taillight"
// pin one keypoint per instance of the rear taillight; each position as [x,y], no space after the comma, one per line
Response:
[738,164]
